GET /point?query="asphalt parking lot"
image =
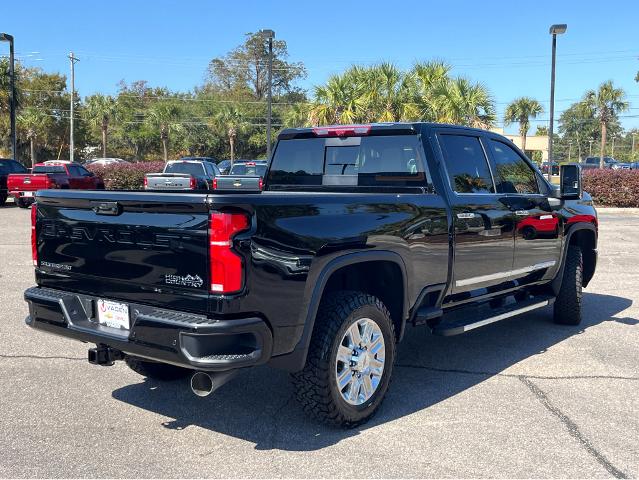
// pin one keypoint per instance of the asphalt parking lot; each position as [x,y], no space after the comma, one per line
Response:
[520,398]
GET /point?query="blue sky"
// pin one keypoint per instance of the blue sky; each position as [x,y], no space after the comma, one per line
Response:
[504,44]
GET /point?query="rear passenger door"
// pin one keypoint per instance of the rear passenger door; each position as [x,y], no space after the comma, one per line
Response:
[483,224]
[537,239]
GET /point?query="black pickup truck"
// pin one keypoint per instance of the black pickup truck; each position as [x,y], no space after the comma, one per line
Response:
[358,232]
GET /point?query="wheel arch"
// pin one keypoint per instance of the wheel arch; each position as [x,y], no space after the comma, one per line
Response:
[344,268]
[585,236]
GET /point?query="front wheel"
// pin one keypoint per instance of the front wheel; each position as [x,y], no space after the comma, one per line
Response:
[567,307]
[350,360]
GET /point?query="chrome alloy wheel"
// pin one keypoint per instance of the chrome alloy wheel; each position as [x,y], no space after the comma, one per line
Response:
[360,361]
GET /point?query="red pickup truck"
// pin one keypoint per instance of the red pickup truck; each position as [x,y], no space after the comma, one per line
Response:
[22,186]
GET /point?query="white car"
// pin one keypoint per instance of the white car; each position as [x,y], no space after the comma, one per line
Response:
[57,162]
[105,161]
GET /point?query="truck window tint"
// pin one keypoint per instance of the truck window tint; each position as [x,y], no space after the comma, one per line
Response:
[378,161]
[49,169]
[244,169]
[466,164]
[512,173]
[194,169]
[16,167]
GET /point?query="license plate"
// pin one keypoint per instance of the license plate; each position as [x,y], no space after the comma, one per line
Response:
[113,314]
[27,194]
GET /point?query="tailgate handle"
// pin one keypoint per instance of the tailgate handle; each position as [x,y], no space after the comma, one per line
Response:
[106,208]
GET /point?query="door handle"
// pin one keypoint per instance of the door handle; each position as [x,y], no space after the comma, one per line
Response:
[522,213]
[466,215]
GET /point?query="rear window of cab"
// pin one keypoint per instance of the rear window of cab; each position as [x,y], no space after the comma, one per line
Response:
[49,169]
[385,160]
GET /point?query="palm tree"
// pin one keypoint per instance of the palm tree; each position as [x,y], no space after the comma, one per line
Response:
[163,115]
[231,119]
[33,122]
[459,101]
[607,102]
[99,111]
[521,110]
[432,78]
[339,101]
[388,94]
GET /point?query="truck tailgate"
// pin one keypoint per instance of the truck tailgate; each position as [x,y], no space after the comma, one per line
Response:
[27,182]
[144,247]
[168,181]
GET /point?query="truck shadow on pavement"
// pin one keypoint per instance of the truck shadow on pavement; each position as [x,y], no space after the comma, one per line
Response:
[259,406]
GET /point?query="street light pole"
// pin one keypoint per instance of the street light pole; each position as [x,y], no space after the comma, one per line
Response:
[590,148]
[73,59]
[554,31]
[270,34]
[5,37]
[570,151]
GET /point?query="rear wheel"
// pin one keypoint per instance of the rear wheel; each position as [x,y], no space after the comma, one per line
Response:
[155,370]
[22,203]
[350,360]
[567,307]
[3,199]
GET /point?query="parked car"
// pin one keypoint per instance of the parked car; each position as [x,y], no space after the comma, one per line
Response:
[23,186]
[621,166]
[224,166]
[360,231]
[254,168]
[593,162]
[56,162]
[546,165]
[7,167]
[183,175]
[201,159]
[105,161]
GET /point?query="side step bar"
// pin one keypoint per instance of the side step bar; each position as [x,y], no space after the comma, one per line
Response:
[450,328]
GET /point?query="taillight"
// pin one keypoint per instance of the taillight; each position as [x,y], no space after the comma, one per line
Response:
[193,184]
[342,130]
[214,183]
[260,183]
[227,271]
[146,182]
[34,240]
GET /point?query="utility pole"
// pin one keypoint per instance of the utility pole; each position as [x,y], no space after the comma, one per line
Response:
[73,59]
[633,143]
[590,151]
[612,154]
[5,37]
[570,151]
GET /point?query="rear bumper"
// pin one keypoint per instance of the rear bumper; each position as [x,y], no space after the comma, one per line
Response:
[179,338]
[26,194]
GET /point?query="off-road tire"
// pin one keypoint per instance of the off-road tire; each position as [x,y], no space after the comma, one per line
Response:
[567,307]
[315,385]
[3,199]
[22,203]
[155,370]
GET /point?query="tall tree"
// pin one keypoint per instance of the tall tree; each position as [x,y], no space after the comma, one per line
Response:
[521,110]
[230,119]
[163,115]
[34,122]
[99,111]
[462,102]
[607,102]
[246,68]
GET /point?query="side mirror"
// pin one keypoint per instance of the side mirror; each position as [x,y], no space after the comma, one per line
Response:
[570,180]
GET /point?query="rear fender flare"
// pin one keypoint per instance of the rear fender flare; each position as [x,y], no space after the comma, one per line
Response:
[301,350]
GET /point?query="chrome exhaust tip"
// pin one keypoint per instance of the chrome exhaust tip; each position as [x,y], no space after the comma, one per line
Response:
[201,384]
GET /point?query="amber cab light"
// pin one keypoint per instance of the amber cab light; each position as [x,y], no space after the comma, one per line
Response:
[226,266]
